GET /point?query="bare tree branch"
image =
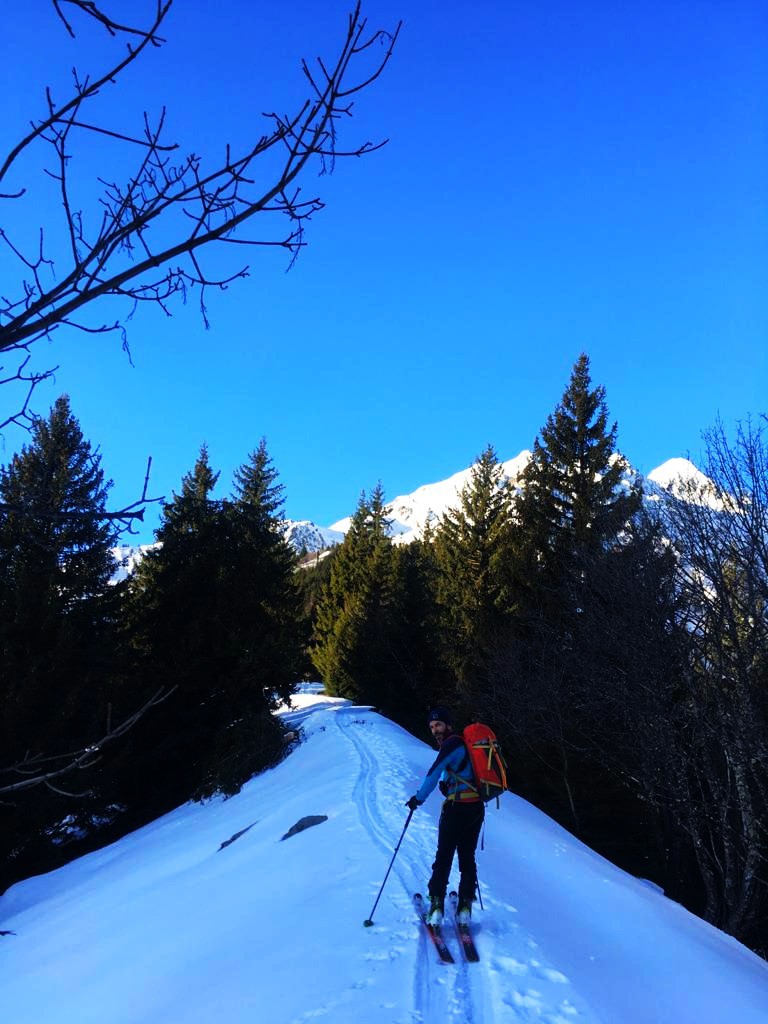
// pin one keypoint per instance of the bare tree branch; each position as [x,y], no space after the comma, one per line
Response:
[88,89]
[23,416]
[92,9]
[142,238]
[186,207]
[36,770]
[126,517]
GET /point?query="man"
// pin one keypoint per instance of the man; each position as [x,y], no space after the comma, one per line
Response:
[460,819]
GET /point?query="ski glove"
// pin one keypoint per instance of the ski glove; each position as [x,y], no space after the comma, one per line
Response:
[413,803]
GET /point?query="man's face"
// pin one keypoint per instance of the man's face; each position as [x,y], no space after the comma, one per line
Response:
[439,731]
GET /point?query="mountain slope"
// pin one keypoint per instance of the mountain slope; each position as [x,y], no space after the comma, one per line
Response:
[167,926]
[411,512]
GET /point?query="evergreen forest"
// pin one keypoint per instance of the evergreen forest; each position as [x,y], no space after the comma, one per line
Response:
[616,640]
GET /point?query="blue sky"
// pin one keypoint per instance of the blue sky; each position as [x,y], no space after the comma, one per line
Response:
[560,178]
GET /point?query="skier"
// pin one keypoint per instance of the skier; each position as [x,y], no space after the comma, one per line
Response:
[461,818]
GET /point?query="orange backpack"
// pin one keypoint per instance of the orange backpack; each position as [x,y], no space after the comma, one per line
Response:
[488,765]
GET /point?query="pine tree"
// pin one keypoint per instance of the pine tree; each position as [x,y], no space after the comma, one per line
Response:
[53,497]
[190,512]
[257,487]
[358,614]
[570,515]
[171,623]
[572,501]
[57,617]
[55,566]
[216,613]
[265,593]
[416,641]
[473,549]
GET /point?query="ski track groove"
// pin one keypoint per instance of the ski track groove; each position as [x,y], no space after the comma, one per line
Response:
[432,1006]
[509,967]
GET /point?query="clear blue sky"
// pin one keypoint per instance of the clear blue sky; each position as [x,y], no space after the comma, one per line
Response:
[560,178]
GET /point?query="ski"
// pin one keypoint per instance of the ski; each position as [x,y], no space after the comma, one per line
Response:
[462,930]
[434,931]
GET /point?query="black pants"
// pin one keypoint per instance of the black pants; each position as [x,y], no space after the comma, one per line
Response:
[458,832]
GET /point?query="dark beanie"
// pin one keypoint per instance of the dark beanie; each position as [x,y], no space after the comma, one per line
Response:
[440,715]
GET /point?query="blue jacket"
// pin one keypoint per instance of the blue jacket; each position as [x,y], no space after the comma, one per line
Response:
[452,760]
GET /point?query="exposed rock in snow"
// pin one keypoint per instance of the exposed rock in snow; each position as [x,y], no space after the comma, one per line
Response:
[304,823]
[304,535]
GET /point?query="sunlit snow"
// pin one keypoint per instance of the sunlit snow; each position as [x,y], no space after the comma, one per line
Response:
[409,513]
[182,923]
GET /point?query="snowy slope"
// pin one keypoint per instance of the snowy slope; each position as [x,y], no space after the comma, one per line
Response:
[164,927]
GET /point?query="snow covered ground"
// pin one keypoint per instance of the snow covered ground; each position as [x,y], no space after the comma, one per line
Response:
[169,925]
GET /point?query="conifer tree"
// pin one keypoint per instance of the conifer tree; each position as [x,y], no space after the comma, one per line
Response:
[216,613]
[258,489]
[473,549]
[356,591]
[570,512]
[416,642]
[55,565]
[572,501]
[57,614]
[191,511]
[264,593]
[359,613]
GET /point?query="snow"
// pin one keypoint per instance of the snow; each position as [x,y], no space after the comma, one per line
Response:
[409,513]
[306,536]
[128,557]
[677,472]
[167,926]
[684,481]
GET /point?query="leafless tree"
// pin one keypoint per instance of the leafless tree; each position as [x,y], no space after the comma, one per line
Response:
[142,239]
[721,532]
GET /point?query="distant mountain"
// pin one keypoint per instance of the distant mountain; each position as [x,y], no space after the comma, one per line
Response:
[682,479]
[128,556]
[675,474]
[410,513]
[306,536]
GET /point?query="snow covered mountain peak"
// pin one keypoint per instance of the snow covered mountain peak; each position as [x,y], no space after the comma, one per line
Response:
[410,513]
[676,472]
[685,481]
[305,536]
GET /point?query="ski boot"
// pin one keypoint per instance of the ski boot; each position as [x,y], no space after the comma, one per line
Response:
[436,910]
[464,911]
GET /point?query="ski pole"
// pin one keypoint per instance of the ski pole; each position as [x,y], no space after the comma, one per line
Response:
[369,920]
[479,894]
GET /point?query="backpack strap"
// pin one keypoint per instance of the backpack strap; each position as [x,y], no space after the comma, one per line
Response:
[465,763]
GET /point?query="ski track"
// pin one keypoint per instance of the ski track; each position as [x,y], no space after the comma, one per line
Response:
[513,971]
[442,992]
